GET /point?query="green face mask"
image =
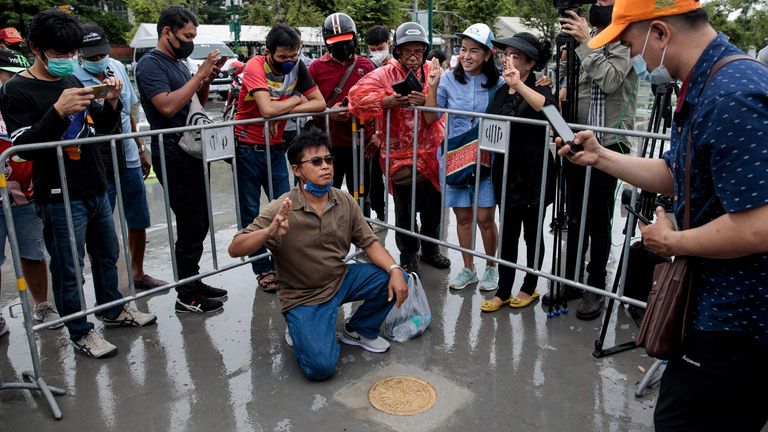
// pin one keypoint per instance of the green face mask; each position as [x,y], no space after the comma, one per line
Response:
[61,68]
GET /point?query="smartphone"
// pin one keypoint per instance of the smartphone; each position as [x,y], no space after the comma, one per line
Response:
[637,214]
[221,60]
[100,91]
[345,102]
[406,86]
[561,128]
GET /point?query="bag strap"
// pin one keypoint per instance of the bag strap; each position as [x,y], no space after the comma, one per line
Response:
[339,88]
[715,68]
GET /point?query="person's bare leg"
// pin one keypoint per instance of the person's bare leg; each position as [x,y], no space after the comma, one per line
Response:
[36,274]
[464,232]
[488,231]
[137,242]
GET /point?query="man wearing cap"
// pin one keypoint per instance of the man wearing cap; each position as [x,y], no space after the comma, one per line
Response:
[27,224]
[95,66]
[10,38]
[607,97]
[335,73]
[719,129]
[372,97]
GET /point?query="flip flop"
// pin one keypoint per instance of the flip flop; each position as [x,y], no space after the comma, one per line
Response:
[268,281]
[492,306]
[517,303]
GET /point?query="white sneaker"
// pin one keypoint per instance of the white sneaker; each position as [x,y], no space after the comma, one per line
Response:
[3,326]
[44,312]
[94,345]
[288,338]
[129,317]
[490,280]
[464,278]
[378,345]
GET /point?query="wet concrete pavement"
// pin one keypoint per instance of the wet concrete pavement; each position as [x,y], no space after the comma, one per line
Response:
[232,371]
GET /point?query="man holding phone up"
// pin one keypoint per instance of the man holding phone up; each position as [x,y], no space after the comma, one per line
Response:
[372,97]
[167,88]
[46,103]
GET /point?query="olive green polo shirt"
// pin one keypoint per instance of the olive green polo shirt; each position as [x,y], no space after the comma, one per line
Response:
[309,258]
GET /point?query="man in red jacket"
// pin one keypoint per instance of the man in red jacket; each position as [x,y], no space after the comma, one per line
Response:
[372,97]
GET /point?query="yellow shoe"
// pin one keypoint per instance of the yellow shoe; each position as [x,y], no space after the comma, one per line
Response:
[492,306]
[515,302]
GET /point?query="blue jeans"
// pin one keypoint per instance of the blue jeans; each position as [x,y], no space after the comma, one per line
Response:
[251,178]
[94,231]
[313,328]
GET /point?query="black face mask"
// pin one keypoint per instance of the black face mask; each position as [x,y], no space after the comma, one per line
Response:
[342,51]
[184,49]
[600,16]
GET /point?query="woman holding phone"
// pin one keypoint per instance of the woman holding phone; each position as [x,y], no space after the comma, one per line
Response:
[469,87]
[521,97]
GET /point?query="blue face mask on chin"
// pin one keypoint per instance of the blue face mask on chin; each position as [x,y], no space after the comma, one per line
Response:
[658,76]
[96,67]
[318,191]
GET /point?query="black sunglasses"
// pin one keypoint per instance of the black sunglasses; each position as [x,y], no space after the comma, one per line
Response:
[318,161]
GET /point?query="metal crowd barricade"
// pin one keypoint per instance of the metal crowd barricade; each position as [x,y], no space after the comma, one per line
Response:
[501,147]
[218,145]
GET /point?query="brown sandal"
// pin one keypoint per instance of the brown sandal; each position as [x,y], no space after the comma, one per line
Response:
[268,281]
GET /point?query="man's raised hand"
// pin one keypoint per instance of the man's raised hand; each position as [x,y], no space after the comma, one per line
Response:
[279,225]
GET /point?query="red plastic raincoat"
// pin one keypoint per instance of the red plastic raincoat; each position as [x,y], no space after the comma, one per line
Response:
[365,103]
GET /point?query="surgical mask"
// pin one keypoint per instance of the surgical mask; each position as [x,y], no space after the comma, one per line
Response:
[96,67]
[283,67]
[658,76]
[184,50]
[600,16]
[342,51]
[318,191]
[61,68]
[378,57]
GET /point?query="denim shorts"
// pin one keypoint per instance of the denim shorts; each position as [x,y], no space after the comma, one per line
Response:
[29,233]
[464,197]
[134,197]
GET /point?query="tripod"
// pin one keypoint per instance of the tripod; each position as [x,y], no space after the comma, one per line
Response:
[644,204]
[570,106]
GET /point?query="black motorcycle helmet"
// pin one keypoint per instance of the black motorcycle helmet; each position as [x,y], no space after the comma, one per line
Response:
[410,32]
[338,27]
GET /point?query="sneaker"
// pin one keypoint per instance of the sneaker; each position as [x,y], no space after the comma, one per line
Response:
[288,338]
[378,345]
[148,282]
[44,312]
[198,305]
[590,306]
[3,326]
[210,292]
[129,317]
[490,280]
[437,260]
[94,345]
[464,278]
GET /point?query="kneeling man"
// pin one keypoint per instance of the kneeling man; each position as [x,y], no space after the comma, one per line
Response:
[309,231]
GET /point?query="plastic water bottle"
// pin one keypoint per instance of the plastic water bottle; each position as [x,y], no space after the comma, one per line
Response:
[411,328]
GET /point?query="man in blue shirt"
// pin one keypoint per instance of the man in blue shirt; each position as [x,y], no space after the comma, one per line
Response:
[709,381]
[95,66]
[167,88]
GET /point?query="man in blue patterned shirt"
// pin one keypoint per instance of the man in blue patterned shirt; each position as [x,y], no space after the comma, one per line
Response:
[708,384]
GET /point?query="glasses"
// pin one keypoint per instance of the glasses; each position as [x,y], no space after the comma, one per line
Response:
[407,54]
[318,161]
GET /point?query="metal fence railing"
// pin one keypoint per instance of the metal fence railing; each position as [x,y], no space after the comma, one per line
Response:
[223,149]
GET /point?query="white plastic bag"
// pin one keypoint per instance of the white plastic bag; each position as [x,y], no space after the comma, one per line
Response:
[412,317]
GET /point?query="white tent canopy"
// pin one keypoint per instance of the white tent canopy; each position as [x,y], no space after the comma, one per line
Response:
[510,26]
[146,35]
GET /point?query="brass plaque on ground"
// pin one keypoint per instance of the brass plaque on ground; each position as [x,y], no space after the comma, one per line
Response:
[402,395]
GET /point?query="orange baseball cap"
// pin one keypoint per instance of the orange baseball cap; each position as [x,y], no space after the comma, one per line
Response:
[10,35]
[626,12]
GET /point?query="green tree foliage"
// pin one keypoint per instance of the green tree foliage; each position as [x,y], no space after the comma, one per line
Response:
[368,13]
[748,24]
[291,12]
[538,14]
